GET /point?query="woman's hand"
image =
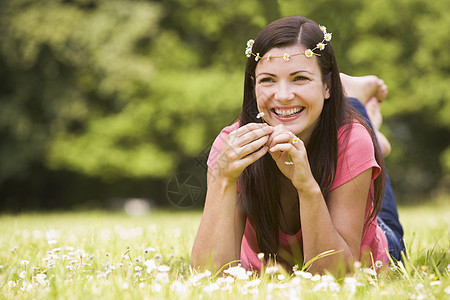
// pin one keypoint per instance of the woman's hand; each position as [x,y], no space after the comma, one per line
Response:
[238,150]
[290,154]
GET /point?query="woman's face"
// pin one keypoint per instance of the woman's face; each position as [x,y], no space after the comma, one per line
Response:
[290,92]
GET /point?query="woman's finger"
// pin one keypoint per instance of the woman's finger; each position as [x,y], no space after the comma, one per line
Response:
[253,146]
[254,135]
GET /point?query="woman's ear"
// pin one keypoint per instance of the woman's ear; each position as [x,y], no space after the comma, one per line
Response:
[327,88]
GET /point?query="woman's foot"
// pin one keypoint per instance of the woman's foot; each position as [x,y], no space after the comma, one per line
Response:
[365,87]
[374,113]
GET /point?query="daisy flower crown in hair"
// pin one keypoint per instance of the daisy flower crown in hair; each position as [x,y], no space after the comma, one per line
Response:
[308,52]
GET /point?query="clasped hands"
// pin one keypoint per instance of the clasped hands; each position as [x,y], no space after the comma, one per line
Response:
[250,142]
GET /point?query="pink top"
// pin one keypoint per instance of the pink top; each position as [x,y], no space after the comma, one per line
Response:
[353,158]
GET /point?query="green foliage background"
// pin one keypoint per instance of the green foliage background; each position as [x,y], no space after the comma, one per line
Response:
[102,99]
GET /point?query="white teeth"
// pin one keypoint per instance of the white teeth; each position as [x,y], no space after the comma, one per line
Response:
[287,112]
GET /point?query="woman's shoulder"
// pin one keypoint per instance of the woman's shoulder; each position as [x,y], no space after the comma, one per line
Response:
[356,153]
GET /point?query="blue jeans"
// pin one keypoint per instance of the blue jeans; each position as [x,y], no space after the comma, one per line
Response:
[388,216]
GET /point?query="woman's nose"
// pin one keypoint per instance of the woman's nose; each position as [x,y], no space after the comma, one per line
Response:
[283,93]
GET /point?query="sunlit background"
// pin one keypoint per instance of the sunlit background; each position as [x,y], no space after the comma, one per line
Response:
[115,104]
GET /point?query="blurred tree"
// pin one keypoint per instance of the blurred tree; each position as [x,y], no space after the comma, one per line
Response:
[125,92]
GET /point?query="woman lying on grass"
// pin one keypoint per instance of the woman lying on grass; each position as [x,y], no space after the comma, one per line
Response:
[300,173]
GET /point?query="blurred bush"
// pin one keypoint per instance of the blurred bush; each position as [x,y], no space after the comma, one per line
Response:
[103,99]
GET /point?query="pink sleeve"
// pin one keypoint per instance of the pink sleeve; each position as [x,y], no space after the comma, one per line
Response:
[218,143]
[356,154]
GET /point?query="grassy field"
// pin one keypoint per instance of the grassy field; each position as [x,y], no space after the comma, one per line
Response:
[105,255]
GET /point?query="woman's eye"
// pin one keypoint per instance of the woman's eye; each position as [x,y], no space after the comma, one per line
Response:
[265,79]
[300,78]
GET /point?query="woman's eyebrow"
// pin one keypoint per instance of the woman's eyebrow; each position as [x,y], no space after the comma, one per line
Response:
[265,73]
[301,71]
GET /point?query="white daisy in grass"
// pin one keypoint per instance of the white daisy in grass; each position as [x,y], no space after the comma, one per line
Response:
[303,274]
[163,268]
[272,270]
[23,274]
[25,262]
[149,249]
[378,264]
[11,284]
[238,272]
[137,268]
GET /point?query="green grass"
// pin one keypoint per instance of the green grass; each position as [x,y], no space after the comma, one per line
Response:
[114,256]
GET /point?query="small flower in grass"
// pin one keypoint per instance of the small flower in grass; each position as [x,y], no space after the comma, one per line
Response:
[286,57]
[369,271]
[163,268]
[178,287]
[238,272]
[303,274]
[14,249]
[66,257]
[447,290]
[125,285]
[315,277]
[150,264]
[149,249]
[41,279]
[25,262]
[137,268]
[321,46]
[211,288]
[125,256]
[272,270]
[378,264]
[11,284]
[260,115]
[23,274]
[281,277]
[308,53]
[295,268]
[157,256]
[357,264]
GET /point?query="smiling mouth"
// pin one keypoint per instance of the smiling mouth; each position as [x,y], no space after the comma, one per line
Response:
[286,113]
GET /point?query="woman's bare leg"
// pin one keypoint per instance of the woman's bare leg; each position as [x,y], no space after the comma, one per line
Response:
[370,91]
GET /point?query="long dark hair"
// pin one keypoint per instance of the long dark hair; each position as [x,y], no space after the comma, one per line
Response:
[260,183]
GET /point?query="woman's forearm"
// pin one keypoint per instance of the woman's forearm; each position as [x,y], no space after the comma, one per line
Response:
[320,235]
[221,228]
